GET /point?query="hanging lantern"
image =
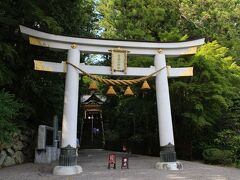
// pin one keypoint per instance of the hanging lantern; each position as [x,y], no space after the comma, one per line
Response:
[111,91]
[128,92]
[93,86]
[145,86]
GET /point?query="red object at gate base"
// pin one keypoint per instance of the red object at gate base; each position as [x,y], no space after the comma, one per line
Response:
[124,162]
[112,161]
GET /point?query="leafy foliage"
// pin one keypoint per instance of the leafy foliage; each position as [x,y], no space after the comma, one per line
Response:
[228,137]
[214,20]
[217,156]
[209,91]
[140,20]
[41,94]
[199,102]
[9,110]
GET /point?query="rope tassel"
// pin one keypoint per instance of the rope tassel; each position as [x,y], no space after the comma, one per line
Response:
[145,86]
[93,86]
[128,92]
[111,91]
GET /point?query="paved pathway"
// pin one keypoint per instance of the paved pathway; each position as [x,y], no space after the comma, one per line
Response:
[94,164]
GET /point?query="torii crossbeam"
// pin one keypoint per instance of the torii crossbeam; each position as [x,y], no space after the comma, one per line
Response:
[160,51]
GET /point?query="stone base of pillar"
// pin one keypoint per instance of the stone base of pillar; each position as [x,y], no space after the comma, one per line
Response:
[67,170]
[167,153]
[169,165]
[68,156]
[67,162]
[168,158]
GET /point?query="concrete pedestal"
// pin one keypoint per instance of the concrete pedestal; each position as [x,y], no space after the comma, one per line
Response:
[67,170]
[169,165]
[47,155]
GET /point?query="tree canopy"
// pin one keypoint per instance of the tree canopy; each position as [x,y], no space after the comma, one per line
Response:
[31,98]
[198,102]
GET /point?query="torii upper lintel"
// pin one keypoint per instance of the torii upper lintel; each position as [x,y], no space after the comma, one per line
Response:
[89,45]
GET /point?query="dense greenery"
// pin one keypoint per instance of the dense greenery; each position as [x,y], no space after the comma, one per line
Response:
[205,107]
[40,94]
[217,156]
[202,104]
[214,20]
[9,109]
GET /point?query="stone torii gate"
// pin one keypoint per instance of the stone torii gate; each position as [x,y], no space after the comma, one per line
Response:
[160,51]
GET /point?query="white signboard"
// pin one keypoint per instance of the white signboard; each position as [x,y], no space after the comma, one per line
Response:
[119,60]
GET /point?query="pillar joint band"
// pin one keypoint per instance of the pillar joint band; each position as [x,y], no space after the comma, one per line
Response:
[160,51]
[74,46]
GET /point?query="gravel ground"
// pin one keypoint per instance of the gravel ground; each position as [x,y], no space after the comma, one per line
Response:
[94,164]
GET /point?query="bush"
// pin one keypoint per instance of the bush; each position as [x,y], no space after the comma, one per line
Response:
[111,136]
[9,110]
[237,163]
[217,156]
[135,139]
[230,140]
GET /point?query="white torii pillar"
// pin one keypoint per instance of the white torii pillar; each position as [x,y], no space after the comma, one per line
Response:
[167,150]
[68,156]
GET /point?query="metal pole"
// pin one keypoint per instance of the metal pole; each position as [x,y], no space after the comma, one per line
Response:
[55,131]
[92,129]
[80,140]
[103,135]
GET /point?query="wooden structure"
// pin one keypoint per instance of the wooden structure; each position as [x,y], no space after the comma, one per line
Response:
[92,122]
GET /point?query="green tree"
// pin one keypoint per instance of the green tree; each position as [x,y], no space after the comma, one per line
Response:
[17,75]
[212,87]
[140,20]
[198,103]
[214,20]
[76,17]
[40,93]
[9,110]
